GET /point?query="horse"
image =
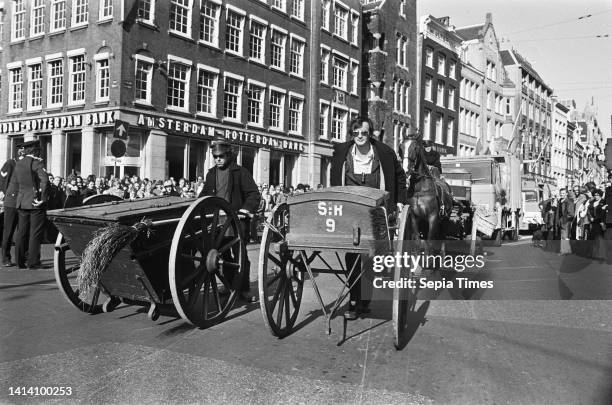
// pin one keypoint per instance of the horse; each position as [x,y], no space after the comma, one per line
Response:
[429,197]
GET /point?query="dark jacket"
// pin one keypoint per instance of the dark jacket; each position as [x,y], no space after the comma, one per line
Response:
[565,213]
[608,201]
[33,182]
[8,183]
[243,190]
[394,175]
[432,158]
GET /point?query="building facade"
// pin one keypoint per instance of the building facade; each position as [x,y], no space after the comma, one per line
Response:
[533,106]
[175,75]
[440,79]
[560,146]
[390,68]
[486,92]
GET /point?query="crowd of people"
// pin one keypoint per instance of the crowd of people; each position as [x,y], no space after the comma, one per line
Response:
[579,213]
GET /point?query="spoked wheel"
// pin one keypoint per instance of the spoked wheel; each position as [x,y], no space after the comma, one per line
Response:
[66,266]
[281,275]
[404,299]
[206,262]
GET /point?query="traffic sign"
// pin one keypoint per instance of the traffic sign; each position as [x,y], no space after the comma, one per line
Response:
[122,129]
[118,148]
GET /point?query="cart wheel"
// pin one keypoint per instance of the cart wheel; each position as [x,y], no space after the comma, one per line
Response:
[281,275]
[110,304]
[207,258]
[65,276]
[404,299]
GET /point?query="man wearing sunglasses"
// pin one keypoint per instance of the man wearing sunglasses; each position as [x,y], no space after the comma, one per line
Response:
[235,185]
[364,161]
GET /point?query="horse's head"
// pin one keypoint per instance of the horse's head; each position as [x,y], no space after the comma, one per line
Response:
[414,158]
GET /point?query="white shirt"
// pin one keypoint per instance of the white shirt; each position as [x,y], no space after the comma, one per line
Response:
[362,163]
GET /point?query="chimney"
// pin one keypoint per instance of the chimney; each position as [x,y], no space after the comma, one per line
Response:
[489,18]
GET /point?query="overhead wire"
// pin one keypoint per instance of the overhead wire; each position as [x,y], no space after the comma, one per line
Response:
[582,17]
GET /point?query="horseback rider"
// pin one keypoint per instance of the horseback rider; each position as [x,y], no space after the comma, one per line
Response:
[432,158]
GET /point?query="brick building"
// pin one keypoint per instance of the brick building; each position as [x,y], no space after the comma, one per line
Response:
[179,73]
[440,79]
[533,106]
[390,68]
[485,100]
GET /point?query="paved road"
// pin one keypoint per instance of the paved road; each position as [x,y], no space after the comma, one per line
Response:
[555,347]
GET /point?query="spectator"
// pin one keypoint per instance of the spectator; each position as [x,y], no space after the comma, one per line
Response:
[597,216]
[169,189]
[89,190]
[564,216]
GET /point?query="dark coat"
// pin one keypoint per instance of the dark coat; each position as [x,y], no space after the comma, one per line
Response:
[432,158]
[243,190]
[608,201]
[394,175]
[33,182]
[565,213]
[8,183]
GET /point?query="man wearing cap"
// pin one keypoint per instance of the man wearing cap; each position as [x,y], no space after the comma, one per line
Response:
[364,161]
[234,184]
[32,181]
[9,188]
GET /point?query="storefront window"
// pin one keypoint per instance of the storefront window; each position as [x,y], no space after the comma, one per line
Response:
[175,157]
[73,154]
[197,158]
[129,164]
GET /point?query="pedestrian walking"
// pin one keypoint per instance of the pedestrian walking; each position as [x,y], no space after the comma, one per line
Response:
[32,196]
[597,215]
[364,161]
[235,185]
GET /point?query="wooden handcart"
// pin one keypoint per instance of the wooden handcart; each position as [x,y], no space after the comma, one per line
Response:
[310,228]
[186,259]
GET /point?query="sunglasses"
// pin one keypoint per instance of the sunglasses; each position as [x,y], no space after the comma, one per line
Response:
[357,133]
[219,156]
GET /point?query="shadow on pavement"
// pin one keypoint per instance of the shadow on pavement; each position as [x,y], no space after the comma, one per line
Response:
[7,287]
[414,321]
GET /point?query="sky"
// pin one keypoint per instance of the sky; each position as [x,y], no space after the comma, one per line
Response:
[550,35]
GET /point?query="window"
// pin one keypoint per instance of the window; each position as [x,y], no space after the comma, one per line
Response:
[280,4]
[441,65]
[339,118]
[427,125]
[206,102]
[232,98]
[80,12]
[451,98]
[257,42]
[35,82]
[233,32]
[295,114]
[297,9]
[106,10]
[178,84]
[406,97]
[450,127]
[296,58]
[324,66]
[143,80]
[401,52]
[277,49]
[396,95]
[325,13]
[209,23]
[146,10]
[488,100]
[255,107]
[15,90]
[355,29]
[18,25]
[37,24]
[354,77]
[428,89]
[77,80]
[102,80]
[429,57]
[451,70]
[340,21]
[402,8]
[323,120]
[340,73]
[277,104]
[56,83]
[438,129]
[180,17]
[58,15]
